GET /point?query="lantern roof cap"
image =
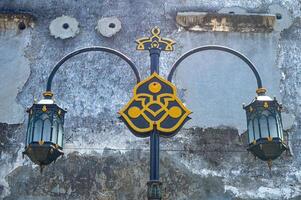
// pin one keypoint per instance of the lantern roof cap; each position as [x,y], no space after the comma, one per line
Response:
[263,98]
[260,98]
[46,101]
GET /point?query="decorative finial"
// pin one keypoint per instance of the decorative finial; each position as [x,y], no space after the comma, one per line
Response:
[44,108]
[155,41]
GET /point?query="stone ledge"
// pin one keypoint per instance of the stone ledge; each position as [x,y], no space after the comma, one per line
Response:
[226,22]
[16,21]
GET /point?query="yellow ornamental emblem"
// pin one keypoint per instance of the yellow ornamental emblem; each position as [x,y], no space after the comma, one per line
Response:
[154,105]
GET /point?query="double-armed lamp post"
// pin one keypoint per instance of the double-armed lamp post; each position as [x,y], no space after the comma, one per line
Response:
[154,111]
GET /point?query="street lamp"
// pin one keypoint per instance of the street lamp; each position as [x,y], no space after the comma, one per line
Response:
[265,132]
[154,111]
[44,136]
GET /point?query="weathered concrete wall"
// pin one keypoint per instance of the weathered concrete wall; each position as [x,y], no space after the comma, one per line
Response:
[206,160]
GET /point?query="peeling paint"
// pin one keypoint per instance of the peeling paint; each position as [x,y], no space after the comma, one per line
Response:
[15,71]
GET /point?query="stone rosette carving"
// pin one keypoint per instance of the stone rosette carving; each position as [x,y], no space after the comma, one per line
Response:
[64,27]
[108,26]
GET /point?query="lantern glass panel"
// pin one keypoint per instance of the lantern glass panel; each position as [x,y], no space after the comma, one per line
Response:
[47,130]
[54,132]
[264,126]
[280,129]
[256,128]
[273,127]
[29,133]
[60,135]
[37,130]
[250,131]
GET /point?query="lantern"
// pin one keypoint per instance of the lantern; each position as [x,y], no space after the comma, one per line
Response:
[44,136]
[265,132]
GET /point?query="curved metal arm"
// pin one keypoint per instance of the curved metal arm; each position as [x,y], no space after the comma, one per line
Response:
[74,53]
[220,48]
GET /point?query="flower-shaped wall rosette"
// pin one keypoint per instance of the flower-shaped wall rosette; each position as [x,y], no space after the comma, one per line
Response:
[155,106]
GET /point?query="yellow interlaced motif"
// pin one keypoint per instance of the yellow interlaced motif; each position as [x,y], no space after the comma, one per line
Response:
[140,106]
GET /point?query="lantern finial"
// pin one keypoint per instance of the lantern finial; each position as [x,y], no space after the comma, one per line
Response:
[41,169]
[270,162]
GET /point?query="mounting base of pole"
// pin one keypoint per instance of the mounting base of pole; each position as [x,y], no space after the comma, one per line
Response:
[154,190]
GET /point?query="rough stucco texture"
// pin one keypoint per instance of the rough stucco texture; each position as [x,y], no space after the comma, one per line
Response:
[103,160]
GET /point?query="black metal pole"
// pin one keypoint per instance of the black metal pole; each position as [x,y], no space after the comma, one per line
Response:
[154,185]
[154,155]
[154,56]
[154,138]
